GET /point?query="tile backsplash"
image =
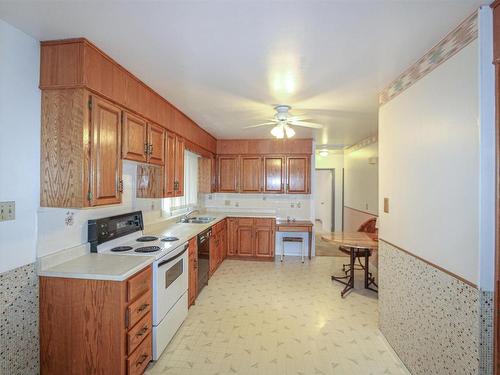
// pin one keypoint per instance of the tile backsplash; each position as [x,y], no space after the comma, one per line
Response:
[286,205]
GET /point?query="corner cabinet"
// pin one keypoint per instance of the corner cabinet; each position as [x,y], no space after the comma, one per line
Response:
[80,150]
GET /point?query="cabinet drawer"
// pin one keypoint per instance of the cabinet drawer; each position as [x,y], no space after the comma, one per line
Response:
[245,221]
[138,332]
[138,360]
[264,222]
[139,284]
[138,309]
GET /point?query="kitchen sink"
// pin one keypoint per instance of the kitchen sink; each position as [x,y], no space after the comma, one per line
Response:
[199,220]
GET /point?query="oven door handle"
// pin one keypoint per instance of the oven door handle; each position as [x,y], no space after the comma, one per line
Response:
[174,257]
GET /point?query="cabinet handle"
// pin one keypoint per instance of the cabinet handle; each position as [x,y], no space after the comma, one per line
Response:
[141,360]
[150,149]
[146,148]
[120,186]
[143,307]
[142,332]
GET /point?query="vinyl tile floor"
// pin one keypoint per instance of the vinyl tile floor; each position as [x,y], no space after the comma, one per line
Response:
[264,318]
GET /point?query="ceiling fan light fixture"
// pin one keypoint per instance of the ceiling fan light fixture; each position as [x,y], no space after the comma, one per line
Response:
[278,131]
[289,131]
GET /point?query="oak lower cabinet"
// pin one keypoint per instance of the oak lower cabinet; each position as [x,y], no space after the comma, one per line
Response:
[218,246]
[251,238]
[193,271]
[96,326]
[80,150]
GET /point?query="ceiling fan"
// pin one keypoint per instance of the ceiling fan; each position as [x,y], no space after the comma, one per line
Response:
[282,121]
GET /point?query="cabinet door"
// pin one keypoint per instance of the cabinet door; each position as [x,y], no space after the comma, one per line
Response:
[179,166]
[298,174]
[228,174]
[213,254]
[274,174]
[251,174]
[245,241]
[105,152]
[264,242]
[135,139]
[156,144]
[193,270]
[149,182]
[232,236]
[169,172]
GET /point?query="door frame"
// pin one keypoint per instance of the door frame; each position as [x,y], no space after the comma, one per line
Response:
[332,170]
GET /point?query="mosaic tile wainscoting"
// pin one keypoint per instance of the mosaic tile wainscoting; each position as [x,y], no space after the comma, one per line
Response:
[431,319]
[19,321]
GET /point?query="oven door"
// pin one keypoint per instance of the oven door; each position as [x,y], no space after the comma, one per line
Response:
[170,275]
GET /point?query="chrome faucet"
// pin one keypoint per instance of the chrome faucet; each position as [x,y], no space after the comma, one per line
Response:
[185,217]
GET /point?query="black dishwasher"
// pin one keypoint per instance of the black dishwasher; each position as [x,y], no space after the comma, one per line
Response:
[203,258]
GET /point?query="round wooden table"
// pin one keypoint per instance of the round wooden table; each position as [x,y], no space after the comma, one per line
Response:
[360,244]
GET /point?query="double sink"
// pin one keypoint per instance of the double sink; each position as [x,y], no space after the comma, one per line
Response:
[198,220]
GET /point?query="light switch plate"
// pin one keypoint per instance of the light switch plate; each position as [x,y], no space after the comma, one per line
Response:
[7,211]
[386,205]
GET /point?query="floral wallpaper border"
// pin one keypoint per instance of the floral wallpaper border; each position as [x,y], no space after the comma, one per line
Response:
[456,40]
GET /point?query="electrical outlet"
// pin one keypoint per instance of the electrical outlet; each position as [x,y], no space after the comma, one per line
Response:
[7,211]
[227,202]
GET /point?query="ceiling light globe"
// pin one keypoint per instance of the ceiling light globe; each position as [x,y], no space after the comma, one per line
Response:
[278,131]
[323,153]
[289,132]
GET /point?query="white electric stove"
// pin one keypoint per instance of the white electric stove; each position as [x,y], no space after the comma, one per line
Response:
[123,235]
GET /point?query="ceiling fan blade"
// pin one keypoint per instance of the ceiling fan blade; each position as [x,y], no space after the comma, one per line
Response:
[298,118]
[263,124]
[306,124]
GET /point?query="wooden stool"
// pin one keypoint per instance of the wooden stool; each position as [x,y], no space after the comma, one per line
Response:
[292,239]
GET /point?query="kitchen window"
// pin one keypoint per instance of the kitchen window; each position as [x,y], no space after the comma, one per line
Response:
[179,205]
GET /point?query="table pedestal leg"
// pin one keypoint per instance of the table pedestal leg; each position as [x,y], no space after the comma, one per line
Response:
[349,284]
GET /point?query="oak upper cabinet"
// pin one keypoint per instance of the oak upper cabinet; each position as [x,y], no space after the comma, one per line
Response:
[156,144]
[80,150]
[105,152]
[169,183]
[227,168]
[143,142]
[232,236]
[193,270]
[135,138]
[179,167]
[298,174]
[174,166]
[245,237]
[274,174]
[250,174]
[265,230]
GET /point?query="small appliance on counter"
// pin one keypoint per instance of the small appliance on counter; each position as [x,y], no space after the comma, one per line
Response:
[123,235]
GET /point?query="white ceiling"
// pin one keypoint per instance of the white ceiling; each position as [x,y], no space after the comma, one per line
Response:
[225,63]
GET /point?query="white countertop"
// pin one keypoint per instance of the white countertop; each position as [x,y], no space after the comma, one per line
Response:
[99,267]
[120,267]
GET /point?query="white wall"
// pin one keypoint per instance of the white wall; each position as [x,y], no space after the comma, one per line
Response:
[429,166]
[19,144]
[335,161]
[361,179]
